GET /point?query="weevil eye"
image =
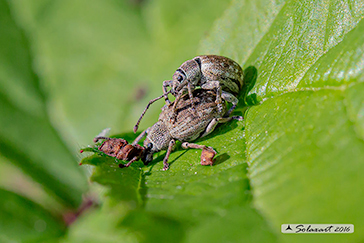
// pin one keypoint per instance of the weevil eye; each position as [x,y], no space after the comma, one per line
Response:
[149,145]
[180,78]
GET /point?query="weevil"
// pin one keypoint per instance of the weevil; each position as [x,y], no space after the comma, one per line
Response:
[163,134]
[188,125]
[210,72]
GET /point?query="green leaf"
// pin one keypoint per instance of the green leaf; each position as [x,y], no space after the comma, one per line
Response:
[27,137]
[302,145]
[305,141]
[187,184]
[124,184]
[101,63]
[118,224]
[24,221]
[188,195]
[240,224]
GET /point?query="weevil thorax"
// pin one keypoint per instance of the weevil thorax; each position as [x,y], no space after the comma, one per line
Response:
[188,72]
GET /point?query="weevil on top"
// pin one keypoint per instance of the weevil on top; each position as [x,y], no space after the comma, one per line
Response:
[210,72]
[195,118]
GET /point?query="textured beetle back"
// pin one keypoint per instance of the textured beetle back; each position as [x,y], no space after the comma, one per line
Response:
[222,69]
[189,124]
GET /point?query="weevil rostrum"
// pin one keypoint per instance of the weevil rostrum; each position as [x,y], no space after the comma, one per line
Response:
[185,127]
[210,72]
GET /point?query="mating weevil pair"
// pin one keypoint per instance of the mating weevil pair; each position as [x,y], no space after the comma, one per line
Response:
[190,116]
[188,126]
[210,72]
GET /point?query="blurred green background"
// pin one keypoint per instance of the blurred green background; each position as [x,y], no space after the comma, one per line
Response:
[69,69]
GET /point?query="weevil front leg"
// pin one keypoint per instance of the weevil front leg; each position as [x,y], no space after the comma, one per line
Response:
[98,138]
[129,163]
[178,97]
[189,88]
[142,135]
[215,121]
[169,150]
[167,83]
[174,108]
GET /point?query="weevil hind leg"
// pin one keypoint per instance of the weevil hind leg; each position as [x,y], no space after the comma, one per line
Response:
[213,124]
[207,154]
[169,150]
[187,145]
[214,85]
[231,99]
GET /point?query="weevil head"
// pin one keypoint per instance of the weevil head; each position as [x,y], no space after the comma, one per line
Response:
[147,155]
[188,72]
[158,139]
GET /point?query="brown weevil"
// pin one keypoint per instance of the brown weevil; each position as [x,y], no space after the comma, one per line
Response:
[210,72]
[195,118]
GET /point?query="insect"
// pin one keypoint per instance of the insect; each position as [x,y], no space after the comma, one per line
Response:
[163,134]
[210,72]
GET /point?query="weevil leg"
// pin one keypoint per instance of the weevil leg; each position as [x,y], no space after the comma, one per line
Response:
[129,163]
[174,108]
[142,135]
[98,138]
[214,85]
[189,88]
[207,155]
[187,145]
[218,100]
[145,110]
[215,121]
[238,118]
[231,99]
[175,102]
[167,83]
[169,150]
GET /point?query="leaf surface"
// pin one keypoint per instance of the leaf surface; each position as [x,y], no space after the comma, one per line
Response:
[27,137]
[21,220]
[304,143]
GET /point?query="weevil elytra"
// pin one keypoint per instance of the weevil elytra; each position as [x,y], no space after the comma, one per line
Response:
[210,72]
[188,126]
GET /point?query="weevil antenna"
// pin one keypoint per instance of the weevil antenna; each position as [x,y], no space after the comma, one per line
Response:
[146,108]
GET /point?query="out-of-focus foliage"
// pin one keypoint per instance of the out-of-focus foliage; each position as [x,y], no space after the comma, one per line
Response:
[68,69]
